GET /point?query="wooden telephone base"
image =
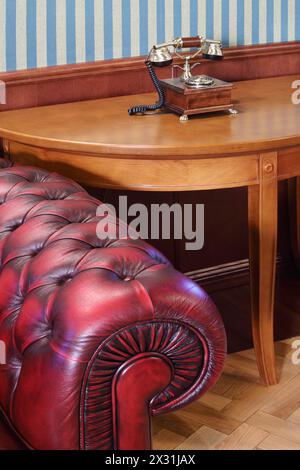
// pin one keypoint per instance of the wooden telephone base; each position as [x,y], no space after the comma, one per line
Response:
[187,101]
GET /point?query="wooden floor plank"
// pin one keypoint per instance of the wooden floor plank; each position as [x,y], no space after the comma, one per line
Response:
[214,401]
[246,437]
[295,417]
[166,439]
[204,416]
[249,400]
[286,401]
[204,439]
[278,427]
[278,443]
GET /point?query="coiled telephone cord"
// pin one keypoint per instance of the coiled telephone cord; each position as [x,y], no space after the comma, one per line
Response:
[144,109]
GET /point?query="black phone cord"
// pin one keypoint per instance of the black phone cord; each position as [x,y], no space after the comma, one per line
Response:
[143,109]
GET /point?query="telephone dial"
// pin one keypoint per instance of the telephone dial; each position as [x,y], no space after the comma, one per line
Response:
[188,94]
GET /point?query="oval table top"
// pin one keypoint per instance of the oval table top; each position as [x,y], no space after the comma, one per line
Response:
[267,119]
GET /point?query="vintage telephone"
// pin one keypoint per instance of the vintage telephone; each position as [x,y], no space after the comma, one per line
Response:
[188,94]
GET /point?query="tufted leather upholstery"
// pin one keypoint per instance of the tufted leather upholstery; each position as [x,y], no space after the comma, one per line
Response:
[74,309]
[4,163]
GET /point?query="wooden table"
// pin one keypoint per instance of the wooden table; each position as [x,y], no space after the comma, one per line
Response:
[98,144]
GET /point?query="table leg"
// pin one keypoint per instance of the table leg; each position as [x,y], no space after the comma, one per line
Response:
[262,216]
[294,215]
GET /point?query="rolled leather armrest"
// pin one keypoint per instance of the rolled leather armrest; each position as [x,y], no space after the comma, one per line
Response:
[100,334]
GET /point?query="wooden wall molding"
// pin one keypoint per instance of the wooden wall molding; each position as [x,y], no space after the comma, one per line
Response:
[228,275]
[67,83]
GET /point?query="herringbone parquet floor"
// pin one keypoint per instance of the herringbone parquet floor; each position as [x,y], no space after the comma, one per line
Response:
[239,413]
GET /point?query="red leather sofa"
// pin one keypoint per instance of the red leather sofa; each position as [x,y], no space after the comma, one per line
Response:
[99,334]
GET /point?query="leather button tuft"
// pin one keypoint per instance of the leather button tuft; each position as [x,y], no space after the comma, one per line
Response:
[64,280]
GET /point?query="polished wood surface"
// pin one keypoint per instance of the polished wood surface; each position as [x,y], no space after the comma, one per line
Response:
[268,119]
[98,144]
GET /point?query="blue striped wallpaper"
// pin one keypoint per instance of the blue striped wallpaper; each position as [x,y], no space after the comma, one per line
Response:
[37,33]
